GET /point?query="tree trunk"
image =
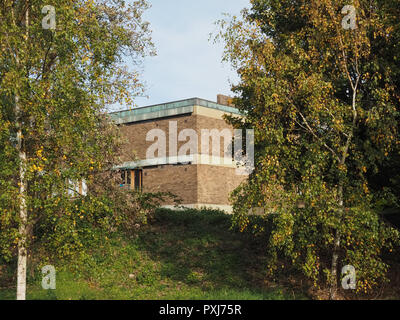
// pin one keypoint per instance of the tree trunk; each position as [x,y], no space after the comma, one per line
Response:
[335,255]
[336,247]
[23,214]
[23,211]
[22,250]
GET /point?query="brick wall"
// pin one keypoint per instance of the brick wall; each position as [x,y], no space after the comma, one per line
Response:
[136,133]
[216,183]
[194,184]
[180,180]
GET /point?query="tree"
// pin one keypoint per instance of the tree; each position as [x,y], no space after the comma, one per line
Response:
[322,100]
[61,63]
[385,182]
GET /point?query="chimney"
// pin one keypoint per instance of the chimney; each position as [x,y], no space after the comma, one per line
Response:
[225,100]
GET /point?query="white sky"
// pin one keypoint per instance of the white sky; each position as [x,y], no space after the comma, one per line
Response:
[187,64]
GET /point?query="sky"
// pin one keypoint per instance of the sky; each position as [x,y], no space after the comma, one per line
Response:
[187,64]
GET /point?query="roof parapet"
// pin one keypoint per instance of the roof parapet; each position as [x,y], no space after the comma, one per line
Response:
[168,109]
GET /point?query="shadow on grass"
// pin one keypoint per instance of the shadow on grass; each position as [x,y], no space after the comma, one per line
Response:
[188,255]
[197,248]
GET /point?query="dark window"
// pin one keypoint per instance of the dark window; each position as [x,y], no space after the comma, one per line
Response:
[126,179]
[129,177]
[132,179]
[123,175]
[138,179]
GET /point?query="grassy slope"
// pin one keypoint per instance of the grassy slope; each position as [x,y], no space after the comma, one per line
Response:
[181,255]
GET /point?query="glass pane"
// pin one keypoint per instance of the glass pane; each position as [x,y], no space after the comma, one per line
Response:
[128,179]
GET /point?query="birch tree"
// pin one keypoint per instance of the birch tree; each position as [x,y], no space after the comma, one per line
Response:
[61,63]
[323,103]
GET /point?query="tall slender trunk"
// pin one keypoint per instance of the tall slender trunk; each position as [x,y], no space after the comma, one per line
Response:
[23,217]
[23,211]
[336,248]
[335,255]
[336,245]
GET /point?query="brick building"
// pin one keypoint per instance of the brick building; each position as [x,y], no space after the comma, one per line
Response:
[183,147]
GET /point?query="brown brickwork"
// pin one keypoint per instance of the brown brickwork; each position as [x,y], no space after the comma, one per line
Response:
[194,184]
[225,100]
[180,180]
[136,133]
[216,183]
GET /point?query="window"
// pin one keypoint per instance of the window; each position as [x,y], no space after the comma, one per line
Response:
[138,182]
[126,178]
[132,179]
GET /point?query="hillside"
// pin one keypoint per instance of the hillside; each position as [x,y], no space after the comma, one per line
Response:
[179,255]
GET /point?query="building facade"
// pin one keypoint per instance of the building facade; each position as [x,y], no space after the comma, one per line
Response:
[183,147]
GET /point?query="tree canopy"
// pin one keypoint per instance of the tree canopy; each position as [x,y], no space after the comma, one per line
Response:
[61,63]
[324,102]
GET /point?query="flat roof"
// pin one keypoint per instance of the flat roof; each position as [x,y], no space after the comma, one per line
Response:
[167,109]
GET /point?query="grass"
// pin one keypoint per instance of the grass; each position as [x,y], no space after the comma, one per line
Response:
[180,255]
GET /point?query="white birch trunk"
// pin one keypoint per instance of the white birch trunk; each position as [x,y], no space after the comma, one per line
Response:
[23,211]
[23,215]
